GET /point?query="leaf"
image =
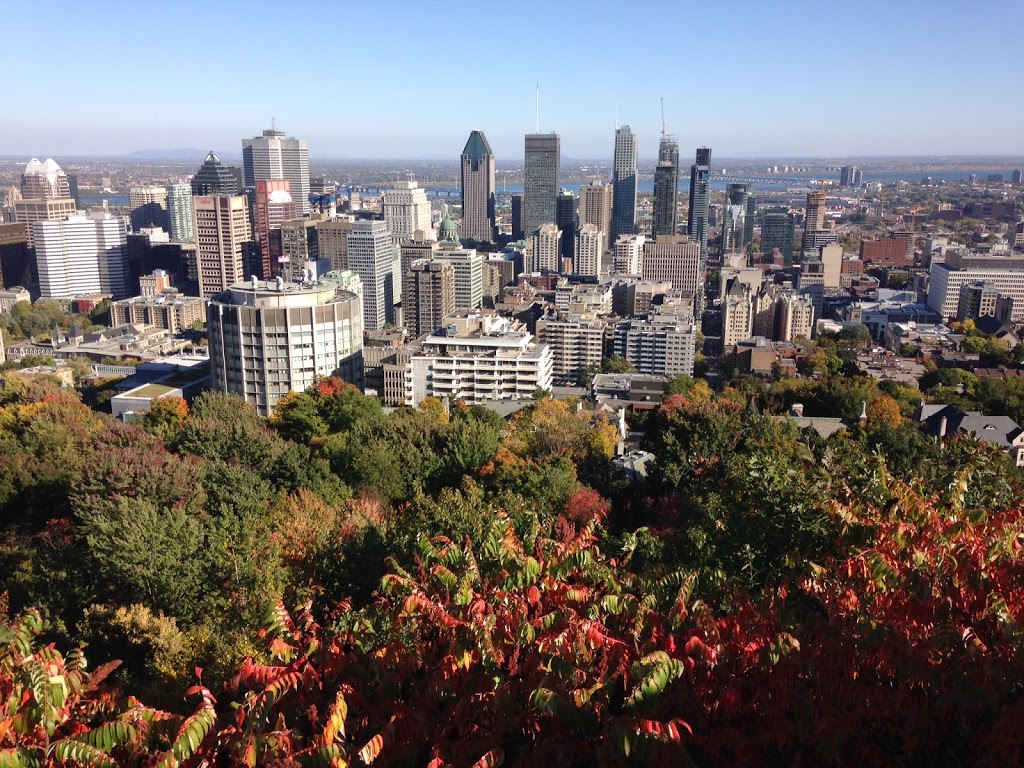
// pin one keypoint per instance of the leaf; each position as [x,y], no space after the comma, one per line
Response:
[335,719]
[491,759]
[646,693]
[372,749]
[71,751]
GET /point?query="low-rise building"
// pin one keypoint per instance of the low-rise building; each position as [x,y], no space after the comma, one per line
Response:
[169,311]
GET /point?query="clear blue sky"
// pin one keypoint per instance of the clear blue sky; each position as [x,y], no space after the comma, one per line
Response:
[397,79]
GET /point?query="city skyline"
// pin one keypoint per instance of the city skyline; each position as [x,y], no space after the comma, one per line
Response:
[364,118]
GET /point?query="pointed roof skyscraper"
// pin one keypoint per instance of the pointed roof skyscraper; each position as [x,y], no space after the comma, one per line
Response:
[214,178]
[477,182]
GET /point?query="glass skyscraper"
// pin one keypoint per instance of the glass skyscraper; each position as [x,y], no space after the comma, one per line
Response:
[666,188]
[700,199]
[540,189]
[624,183]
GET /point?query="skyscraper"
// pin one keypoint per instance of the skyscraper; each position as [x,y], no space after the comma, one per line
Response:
[624,183]
[565,218]
[595,207]
[778,231]
[477,184]
[542,249]
[214,178]
[407,211]
[149,207]
[734,218]
[44,181]
[370,255]
[666,188]
[540,189]
[697,222]
[431,296]
[814,218]
[276,156]
[274,205]
[223,235]
[847,174]
[81,255]
[179,212]
[589,249]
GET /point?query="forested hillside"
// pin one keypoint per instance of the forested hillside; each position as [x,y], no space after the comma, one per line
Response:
[341,586]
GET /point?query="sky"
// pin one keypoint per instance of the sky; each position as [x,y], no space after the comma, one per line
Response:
[399,79]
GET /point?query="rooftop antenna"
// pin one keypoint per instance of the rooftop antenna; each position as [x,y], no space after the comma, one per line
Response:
[616,114]
[538,108]
[663,117]
[273,124]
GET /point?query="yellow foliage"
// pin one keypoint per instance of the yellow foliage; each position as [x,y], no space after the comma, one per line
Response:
[884,410]
[435,408]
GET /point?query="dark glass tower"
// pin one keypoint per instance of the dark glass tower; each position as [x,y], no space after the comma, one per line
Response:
[477,185]
[540,180]
[700,200]
[566,221]
[778,230]
[666,188]
[624,183]
[214,178]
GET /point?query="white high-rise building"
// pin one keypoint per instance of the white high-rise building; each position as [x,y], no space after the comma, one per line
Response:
[407,211]
[595,207]
[371,256]
[629,254]
[179,213]
[589,248]
[44,181]
[81,255]
[543,249]
[469,274]
[276,156]
[1005,273]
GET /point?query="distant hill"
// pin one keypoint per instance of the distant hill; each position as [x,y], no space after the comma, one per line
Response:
[182,154]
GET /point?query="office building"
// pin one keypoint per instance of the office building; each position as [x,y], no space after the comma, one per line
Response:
[276,156]
[468,266]
[517,218]
[734,219]
[269,339]
[332,241]
[565,220]
[700,202]
[407,211]
[214,178]
[409,252]
[179,213]
[81,255]
[17,267]
[540,190]
[431,296]
[371,255]
[148,207]
[543,249]
[300,248]
[479,356]
[778,231]
[44,181]
[850,176]
[29,211]
[674,259]
[595,207]
[577,342]
[629,254]
[660,344]
[477,186]
[886,252]
[223,237]
[1004,274]
[624,183]
[274,205]
[666,188]
[589,249]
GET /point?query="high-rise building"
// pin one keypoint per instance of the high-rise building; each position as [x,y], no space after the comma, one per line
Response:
[431,296]
[149,207]
[223,237]
[407,211]
[44,181]
[565,219]
[577,342]
[269,339]
[589,249]
[814,217]
[659,344]
[540,189]
[276,156]
[666,188]
[370,255]
[734,218]
[409,252]
[629,254]
[214,178]
[274,205]
[700,202]
[624,183]
[778,230]
[848,176]
[300,248]
[1004,273]
[543,250]
[1016,176]
[179,213]
[517,218]
[595,207]
[477,185]
[81,255]
[29,211]
[676,259]
[17,267]
[468,266]
[332,239]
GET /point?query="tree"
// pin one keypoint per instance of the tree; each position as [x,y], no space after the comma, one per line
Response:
[616,364]
[884,411]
